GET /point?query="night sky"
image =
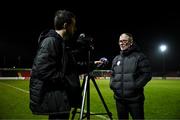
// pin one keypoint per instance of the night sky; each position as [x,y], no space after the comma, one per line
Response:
[151,24]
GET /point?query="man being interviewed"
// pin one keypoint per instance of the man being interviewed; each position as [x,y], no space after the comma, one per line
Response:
[131,71]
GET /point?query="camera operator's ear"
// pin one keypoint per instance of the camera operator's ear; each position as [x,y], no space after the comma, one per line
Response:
[65,25]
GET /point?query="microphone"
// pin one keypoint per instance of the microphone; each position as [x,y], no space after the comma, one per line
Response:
[103,61]
[82,35]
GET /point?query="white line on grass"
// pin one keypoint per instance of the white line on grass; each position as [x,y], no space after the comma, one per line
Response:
[25,91]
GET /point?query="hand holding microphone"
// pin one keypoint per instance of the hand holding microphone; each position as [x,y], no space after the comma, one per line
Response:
[100,63]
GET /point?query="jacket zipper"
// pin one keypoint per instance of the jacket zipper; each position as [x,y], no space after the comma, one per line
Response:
[122,85]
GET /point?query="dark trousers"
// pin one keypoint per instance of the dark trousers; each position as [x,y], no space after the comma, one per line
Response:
[136,110]
[64,116]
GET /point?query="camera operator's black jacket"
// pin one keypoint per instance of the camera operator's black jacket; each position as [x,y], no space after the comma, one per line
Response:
[130,73]
[54,83]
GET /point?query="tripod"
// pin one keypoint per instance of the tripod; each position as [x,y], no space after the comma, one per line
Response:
[86,96]
[86,93]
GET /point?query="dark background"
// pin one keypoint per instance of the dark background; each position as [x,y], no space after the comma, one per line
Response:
[151,23]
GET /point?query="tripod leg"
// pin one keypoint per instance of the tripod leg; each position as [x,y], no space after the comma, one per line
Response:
[84,96]
[100,95]
[82,86]
[88,99]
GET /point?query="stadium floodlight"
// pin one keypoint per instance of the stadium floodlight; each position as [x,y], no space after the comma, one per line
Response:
[163,49]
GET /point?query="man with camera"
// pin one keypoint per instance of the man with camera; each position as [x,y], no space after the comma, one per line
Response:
[54,83]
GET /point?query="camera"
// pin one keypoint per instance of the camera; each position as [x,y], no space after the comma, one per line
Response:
[85,42]
[84,45]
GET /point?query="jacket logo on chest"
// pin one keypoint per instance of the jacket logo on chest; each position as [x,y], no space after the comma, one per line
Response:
[118,63]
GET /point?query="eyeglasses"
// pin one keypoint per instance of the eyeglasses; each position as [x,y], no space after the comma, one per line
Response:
[123,41]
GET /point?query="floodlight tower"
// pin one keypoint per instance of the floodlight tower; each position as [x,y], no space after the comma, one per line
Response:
[163,49]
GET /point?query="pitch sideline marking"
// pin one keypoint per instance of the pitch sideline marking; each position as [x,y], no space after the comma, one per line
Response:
[22,90]
[25,91]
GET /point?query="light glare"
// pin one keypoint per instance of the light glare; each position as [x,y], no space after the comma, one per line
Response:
[163,48]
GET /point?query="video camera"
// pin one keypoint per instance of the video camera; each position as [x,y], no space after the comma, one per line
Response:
[84,52]
[84,45]
[85,42]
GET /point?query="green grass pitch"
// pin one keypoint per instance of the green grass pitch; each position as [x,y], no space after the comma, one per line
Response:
[162,100]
